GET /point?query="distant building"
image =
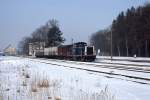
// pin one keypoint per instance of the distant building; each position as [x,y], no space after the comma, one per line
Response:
[10,51]
[1,53]
[35,46]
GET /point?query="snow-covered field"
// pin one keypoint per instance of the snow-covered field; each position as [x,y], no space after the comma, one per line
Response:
[28,79]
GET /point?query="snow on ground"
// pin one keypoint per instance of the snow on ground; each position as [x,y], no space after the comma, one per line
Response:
[125,58]
[26,79]
[100,67]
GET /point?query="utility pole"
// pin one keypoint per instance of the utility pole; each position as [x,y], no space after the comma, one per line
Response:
[72,41]
[146,49]
[111,44]
[73,57]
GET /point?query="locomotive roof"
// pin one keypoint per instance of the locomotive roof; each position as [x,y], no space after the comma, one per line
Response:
[80,43]
[77,43]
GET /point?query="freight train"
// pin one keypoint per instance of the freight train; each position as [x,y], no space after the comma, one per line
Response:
[79,51]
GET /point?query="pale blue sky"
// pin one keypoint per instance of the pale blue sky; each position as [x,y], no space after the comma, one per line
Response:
[78,19]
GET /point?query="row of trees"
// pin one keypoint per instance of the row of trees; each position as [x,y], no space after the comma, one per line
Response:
[101,41]
[49,33]
[130,34]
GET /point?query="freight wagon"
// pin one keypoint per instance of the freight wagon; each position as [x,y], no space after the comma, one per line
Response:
[79,51]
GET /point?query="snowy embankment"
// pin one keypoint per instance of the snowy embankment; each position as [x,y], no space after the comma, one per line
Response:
[36,79]
[128,72]
[139,63]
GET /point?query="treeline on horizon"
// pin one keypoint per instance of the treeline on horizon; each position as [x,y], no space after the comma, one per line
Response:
[49,33]
[130,34]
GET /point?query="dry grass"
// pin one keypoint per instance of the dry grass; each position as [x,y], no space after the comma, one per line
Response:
[104,94]
[18,91]
[24,83]
[36,84]
[44,83]
[49,97]
[1,96]
[57,98]
[2,93]
[7,89]
[34,87]
[41,87]
[27,76]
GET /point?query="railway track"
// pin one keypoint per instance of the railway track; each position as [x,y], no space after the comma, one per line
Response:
[137,79]
[137,65]
[118,66]
[130,59]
